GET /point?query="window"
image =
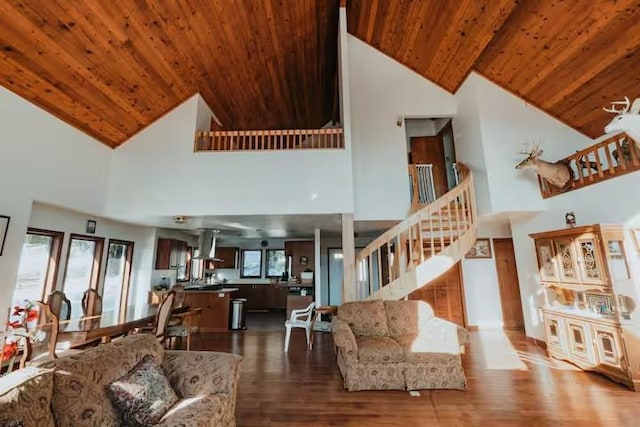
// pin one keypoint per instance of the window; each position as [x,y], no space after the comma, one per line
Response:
[276,262]
[251,263]
[38,265]
[83,268]
[115,293]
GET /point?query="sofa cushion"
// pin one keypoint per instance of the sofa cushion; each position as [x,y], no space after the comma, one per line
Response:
[365,318]
[211,410]
[406,317]
[143,395]
[79,397]
[417,349]
[25,396]
[379,350]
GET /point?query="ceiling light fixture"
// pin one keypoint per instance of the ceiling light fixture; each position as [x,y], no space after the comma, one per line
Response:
[181,219]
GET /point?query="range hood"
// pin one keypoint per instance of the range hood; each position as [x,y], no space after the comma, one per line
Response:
[207,245]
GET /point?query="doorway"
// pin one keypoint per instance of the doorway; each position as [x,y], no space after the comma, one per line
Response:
[335,276]
[445,295]
[510,299]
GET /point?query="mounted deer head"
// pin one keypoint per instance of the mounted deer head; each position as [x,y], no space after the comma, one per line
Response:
[532,157]
[557,174]
[627,118]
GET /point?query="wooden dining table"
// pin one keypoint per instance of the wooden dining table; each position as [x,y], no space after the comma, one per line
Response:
[105,326]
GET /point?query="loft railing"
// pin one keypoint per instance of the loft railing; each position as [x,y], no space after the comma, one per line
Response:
[615,156]
[447,227]
[266,140]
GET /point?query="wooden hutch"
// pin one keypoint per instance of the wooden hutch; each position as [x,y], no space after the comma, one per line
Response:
[590,313]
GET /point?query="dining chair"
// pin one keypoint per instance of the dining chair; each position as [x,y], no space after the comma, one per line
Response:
[162,317]
[60,305]
[301,318]
[91,303]
[42,343]
[178,302]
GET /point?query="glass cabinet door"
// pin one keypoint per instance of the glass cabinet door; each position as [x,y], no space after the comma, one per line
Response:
[547,260]
[608,346]
[580,345]
[567,259]
[590,260]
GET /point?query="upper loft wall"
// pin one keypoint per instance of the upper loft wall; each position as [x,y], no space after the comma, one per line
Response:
[501,126]
[383,91]
[157,173]
[43,159]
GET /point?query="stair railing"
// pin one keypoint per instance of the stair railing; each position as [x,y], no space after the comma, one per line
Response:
[386,268]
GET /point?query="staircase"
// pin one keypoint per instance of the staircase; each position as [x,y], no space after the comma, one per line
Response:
[422,247]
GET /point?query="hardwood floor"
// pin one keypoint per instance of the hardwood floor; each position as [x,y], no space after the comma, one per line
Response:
[511,382]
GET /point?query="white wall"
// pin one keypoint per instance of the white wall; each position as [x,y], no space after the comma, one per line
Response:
[383,91]
[468,139]
[480,277]
[42,158]
[53,218]
[162,175]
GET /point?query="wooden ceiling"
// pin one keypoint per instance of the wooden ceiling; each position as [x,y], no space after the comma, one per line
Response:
[110,68]
[570,58]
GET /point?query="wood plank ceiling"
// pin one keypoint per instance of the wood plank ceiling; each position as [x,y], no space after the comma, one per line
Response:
[110,68]
[569,58]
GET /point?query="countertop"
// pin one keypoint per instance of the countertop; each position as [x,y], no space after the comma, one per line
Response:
[214,291]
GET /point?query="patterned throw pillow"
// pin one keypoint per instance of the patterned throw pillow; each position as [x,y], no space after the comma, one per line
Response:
[143,395]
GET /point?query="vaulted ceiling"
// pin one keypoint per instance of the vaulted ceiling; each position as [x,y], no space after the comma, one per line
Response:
[568,57]
[110,68]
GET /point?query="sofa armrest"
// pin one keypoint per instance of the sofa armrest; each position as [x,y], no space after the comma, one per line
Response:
[199,373]
[344,340]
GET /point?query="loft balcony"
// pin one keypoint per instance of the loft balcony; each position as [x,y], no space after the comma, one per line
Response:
[269,140]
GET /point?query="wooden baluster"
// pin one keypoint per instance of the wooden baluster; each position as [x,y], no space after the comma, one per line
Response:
[589,170]
[216,140]
[380,284]
[431,232]
[458,231]
[598,165]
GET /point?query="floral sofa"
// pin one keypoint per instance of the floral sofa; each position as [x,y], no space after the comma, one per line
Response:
[70,391]
[397,345]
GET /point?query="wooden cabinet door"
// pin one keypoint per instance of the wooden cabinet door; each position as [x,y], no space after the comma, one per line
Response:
[608,346]
[547,262]
[590,259]
[580,342]
[444,295]
[555,331]
[228,256]
[567,265]
[163,254]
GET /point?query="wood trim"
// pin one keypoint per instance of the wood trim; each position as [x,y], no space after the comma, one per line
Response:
[55,253]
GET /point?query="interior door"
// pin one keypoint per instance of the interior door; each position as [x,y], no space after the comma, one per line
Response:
[445,295]
[508,282]
[430,150]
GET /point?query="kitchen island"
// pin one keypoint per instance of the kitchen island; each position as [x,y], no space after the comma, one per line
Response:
[214,304]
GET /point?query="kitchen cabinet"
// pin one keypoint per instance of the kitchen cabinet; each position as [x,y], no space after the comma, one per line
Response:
[172,254]
[229,257]
[302,253]
[263,296]
[588,315]
[215,308]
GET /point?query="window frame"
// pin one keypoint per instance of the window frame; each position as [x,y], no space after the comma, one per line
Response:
[266,263]
[126,283]
[242,274]
[97,260]
[53,266]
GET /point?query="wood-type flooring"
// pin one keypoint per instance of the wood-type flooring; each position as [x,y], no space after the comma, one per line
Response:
[511,382]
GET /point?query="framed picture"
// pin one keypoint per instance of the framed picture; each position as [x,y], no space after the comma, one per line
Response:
[4,226]
[481,249]
[91,226]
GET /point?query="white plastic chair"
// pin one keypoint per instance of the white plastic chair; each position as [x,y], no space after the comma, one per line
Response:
[302,318]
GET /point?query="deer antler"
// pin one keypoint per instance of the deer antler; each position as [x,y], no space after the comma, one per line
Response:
[530,149]
[623,110]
